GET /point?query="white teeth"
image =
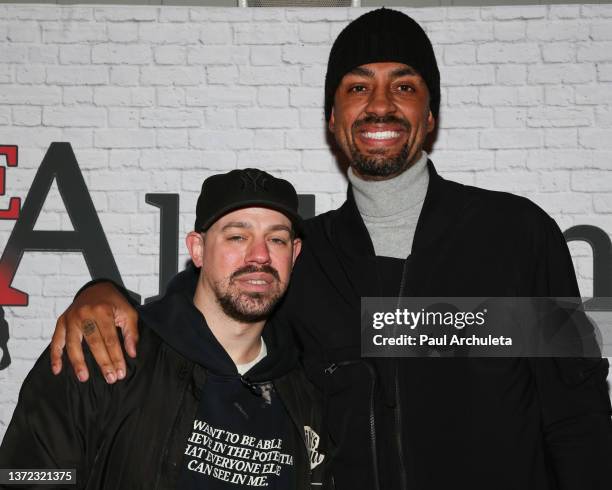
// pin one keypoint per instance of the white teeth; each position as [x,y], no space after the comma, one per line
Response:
[382,135]
[253,281]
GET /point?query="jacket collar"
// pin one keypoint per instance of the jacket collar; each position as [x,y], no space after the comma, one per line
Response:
[445,202]
[354,249]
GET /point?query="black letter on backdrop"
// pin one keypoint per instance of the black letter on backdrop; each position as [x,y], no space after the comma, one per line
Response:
[602,263]
[88,237]
[168,205]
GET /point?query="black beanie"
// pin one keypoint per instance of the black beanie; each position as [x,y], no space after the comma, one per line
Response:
[380,36]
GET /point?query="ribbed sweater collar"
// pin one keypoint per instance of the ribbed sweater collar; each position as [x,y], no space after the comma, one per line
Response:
[386,198]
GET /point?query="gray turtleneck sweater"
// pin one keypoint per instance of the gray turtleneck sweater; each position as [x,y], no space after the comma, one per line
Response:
[390,208]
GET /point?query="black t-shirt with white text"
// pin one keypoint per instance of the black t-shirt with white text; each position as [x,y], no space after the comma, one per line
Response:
[242,437]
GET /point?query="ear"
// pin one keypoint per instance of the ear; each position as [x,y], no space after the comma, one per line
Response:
[431,122]
[297,248]
[331,125]
[195,245]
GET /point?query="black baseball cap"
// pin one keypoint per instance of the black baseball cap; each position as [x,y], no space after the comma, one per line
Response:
[243,188]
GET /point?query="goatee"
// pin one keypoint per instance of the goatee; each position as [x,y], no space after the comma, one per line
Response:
[235,306]
[373,166]
[249,307]
[379,166]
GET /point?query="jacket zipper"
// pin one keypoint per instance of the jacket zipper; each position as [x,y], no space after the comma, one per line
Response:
[398,403]
[398,423]
[330,370]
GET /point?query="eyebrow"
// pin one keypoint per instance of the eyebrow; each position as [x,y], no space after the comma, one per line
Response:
[403,71]
[236,224]
[398,72]
[281,228]
[242,224]
[360,70]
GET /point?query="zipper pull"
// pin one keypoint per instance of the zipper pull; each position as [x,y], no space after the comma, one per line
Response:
[249,385]
[331,368]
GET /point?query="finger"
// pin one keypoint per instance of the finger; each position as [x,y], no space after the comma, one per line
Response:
[58,341]
[74,337]
[130,332]
[97,345]
[108,329]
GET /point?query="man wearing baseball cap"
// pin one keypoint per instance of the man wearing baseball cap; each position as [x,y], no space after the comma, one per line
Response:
[432,423]
[216,398]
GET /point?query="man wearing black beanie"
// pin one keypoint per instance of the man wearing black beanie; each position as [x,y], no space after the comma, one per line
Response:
[382,35]
[424,423]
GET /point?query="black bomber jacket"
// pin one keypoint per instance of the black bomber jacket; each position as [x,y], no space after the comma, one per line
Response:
[132,435]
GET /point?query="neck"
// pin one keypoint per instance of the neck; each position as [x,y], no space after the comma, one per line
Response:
[241,341]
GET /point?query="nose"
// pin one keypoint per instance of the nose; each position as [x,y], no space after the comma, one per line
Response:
[258,252]
[380,102]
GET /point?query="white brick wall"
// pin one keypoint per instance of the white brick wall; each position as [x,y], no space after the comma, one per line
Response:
[154,99]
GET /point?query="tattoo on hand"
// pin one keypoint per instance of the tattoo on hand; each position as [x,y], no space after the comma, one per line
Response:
[89,327]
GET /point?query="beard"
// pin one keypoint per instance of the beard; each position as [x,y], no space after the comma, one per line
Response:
[373,165]
[251,307]
[379,166]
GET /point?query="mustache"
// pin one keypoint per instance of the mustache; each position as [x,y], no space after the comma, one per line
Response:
[249,269]
[389,119]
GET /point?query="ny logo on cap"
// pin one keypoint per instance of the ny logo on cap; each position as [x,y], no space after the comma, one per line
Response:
[253,178]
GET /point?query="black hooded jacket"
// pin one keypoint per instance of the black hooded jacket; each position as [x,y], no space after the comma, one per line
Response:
[440,423]
[135,434]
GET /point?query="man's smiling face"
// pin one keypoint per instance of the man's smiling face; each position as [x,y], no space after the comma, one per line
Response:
[381,118]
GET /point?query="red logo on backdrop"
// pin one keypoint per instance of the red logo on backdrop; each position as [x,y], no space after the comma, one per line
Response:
[10,153]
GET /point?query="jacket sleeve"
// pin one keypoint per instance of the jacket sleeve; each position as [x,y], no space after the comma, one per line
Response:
[55,424]
[118,287]
[186,280]
[573,392]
